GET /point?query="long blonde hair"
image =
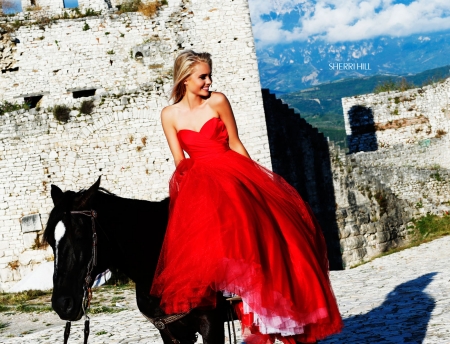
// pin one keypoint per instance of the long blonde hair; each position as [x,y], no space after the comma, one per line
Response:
[182,69]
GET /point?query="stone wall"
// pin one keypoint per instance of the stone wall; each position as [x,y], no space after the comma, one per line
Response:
[364,201]
[7,50]
[300,155]
[56,6]
[122,139]
[382,120]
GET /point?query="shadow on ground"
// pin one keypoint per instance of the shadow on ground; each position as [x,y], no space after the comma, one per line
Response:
[402,318]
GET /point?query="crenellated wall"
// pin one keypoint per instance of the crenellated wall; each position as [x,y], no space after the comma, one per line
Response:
[374,121]
[364,201]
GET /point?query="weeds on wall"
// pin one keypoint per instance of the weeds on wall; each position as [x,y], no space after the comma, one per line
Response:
[86,27]
[148,8]
[33,8]
[44,21]
[9,107]
[86,107]
[440,133]
[61,113]
[390,85]
[422,230]
[14,265]
[432,227]
[404,85]
[436,176]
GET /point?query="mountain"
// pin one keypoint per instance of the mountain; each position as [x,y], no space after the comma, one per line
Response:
[321,105]
[300,65]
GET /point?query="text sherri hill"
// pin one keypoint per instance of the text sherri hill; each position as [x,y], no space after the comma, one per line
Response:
[349,66]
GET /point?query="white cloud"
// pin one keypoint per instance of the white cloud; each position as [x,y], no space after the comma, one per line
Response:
[347,20]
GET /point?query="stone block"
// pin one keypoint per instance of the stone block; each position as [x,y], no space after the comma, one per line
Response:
[384,236]
[31,223]
[29,239]
[352,243]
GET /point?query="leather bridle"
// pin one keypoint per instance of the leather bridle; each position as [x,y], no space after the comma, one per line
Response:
[160,323]
[87,291]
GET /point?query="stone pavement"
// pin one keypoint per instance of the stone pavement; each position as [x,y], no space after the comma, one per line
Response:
[400,298]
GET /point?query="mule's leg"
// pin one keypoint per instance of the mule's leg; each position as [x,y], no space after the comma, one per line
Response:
[147,304]
[184,329]
[211,327]
[166,339]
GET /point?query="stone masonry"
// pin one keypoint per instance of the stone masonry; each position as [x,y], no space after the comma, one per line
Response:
[397,170]
[125,61]
[382,120]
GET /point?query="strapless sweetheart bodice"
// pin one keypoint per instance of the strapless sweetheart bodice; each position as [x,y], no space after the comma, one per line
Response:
[210,140]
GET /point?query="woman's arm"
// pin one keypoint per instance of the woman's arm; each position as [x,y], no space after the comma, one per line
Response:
[171,135]
[221,104]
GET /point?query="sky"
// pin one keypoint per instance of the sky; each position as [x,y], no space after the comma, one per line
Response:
[286,21]
[14,6]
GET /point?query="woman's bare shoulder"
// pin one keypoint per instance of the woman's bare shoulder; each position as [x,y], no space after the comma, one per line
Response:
[169,112]
[218,98]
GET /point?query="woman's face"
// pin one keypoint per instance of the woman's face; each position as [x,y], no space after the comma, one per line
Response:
[199,81]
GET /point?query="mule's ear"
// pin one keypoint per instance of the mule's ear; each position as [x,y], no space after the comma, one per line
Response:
[87,196]
[56,194]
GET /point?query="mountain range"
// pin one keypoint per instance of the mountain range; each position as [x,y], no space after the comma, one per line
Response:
[321,105]
[299,65]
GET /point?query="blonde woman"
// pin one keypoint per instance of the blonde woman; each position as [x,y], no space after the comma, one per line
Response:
[235,226]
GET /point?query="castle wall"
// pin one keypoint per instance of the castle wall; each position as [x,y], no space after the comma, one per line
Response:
[122,139]
[364,201]
[398,143]
[382,120]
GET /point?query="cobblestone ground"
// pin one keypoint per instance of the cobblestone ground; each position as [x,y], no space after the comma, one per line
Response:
[400,298]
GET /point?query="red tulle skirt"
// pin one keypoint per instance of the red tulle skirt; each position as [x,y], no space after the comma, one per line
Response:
[237,227]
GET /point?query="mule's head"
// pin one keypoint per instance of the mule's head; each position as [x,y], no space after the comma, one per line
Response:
[70,236]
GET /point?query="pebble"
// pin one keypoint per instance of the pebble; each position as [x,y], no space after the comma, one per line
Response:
[399,298]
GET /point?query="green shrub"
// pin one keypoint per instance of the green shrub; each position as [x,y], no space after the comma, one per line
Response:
[432,227]
[404,85]
[436,176]
[89,12]
[87,106]
[23,296]
[86,27]
[7,106]
[148,8]
[129,6]
[391,85]
[61,113]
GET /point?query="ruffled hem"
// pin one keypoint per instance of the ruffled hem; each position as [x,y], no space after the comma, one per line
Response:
[236,226]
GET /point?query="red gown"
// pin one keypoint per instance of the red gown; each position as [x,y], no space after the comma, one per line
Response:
[235,226]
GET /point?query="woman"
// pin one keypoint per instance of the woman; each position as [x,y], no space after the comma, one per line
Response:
[235,226]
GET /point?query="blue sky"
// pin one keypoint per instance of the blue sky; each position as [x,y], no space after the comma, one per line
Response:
[16,6]
[285,21]
[11,6]
[70,3]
